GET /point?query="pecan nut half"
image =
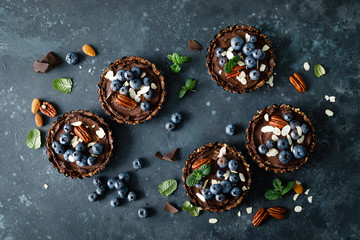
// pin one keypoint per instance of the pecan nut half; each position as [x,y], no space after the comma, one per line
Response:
[277,212]
[201,162]
[125,101]
[260,216]
[235,72]
[82,133]
[276,121]
[297,81]
[48,109]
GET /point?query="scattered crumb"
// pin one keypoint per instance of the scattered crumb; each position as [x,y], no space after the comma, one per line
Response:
[306,66]
[249,210]
[332,98]
[310,199]
[80,66]
[239,214]
[295,196]
[213,220]
[307,191]
[46,186]
[298,209]
[326,97]
[329,113]
[298,182]
[270,82]
[89,70]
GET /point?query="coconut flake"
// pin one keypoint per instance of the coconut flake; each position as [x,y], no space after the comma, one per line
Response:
[267,129]
[126,84]
[295,196]
[272,152]
[301,140]
[262,67]
[100,133]
[275,138]
[76,124]
[91,144]
[298,209]
[109,75]
[276,131]
[213,220]
[243,81]
[242,178]
[266,117]
[307,191]
[306,66]
[220,71]
[249,210]
[143,74]
[247,37]
[310,198]
[244,188]
[153,86]
[230,49]
[265,48]
[201,197]
[329,113]
[285,131]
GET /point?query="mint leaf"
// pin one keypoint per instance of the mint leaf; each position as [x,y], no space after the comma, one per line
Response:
[34,139]
[182,93]
[184,59]
[277,184]
[187,206]
[288,187]
[169,56]
[192,85]
[63,85]
[192,179]
[231,64]
[188,83]
[167,187]
[194,211]
[204,170]
[272,194]
[176,58]
[319,70]
[175,68]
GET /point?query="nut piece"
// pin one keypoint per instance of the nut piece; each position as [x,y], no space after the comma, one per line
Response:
[88,50]
[297,81]
[201,162]
[277,212]
[39,120]
[298,188]
[82,132]
[48,109]
[276,121]
[260,216]
[125,101]
[235,72]
[35,105]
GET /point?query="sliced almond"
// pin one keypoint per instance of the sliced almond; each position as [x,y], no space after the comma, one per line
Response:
[276,131]
[132,93]
[265,48]
[244,188]
[262,67]
[289,139]
[306,66]
[220,71]
[301,140]
[272,152]
[266,117]
[267,129]
[285,131]
[222,152]
[239,213]
[201,197]
[226,175]
[110,75]
[295,196]
[143,74]
[153,86]
[310,198]
[91,144]
[299,130]
[329,112]
[205,183]
[213,220]
[247,37]
[242,178]
[274,138]
[143,89]
[332,98]
[100,133]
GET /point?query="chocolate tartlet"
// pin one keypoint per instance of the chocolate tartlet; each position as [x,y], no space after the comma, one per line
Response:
[228,180]
[280,138]
[79,144]
[255,59]
[131,90]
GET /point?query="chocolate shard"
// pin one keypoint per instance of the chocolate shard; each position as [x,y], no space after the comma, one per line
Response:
[170,208]
[47,63]
[194,45]
[171,156]
[40,67]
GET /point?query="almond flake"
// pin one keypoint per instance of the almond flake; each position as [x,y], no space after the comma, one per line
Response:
[143,89]
[153,86]
[100,133]
[80,140]
[91,70]
[285,131]
[272,152]
[222,152]
[265,48]
[91,144]
[295,196]
[229,55]
[270,82]
[306,66]
[243,81]
[242,74]
[266,117]
[307,191]
[332,98]
[109,75]
[329,113]
[230,49]
[289,139]
[327,97]
[143,74]
[298,209]
[262,67]
[298,182]
[244,188]
[301,140]
[310,199]
[205,183]
[213,220]
[46,186]
[275,138]
[241,63]
[242,178]
[126,84]
[132,93]
[214,181]
[76,124]
[71,158]
[249,210]
[233,171]
[226,175]
[239,214]
[247,37]
[299,130]
[276,131]
[267,129]
[291,148]
[201,197]
[220,71]
[74,141]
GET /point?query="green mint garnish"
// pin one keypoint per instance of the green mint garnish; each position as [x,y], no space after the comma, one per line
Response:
[231,64]
[205,169]
[63,85]
[175,68]
[188,207]
[279,190]
[34,139]
[189,86]
[177,60]
[319,70]
[198,174]
[167,187]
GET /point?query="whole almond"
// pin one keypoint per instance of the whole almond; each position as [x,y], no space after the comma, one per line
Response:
[35,105]
[298,188]
[39,120]
[88,50]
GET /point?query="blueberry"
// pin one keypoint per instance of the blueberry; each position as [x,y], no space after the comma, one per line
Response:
[294,135]
[294,124]
[270,144]
[283,144]
[250,62]
[68,128]
[82,162]
[119,184]
[93,197]
[285,156]
[222,162]
[101,190]
[252,38]
[80,147]
[233,165]
[124,90]
[135,83]
[137,163]
[222,61]
[142,213]
[120,75]
[220,174]
[219,51]
[258,54]
[304,128]
[288,117]
[230,129]
[254,75]
[220,197]
[99,181]
[136,71]
[215,189]
[77,156]
[111,182]
[67,154]
[115,202]
[55,145]
[149,94]
[145,106]
[61,149]
[124,176]
[235,192]
[91,160]
[176,117]
[128,75]
[226,186]
[72,58]
[299,151]
[131,196]
[248,48]
[206,193]
[236,43]
[263,149]
[147,81]
[115,85]
[65,139]
[123,192]
[97,148]
[234,178]
[170,126]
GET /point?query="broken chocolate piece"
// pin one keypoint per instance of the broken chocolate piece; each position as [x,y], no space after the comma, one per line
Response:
[171,156]
[194,45]
[47,63]
[170,208]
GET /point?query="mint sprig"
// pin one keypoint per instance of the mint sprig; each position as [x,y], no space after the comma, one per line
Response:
[279,190]
[167,187]
[198,174]
[63,85]
[231,64]
[189,86]
[177,60]
[188,207]
[34,139]
[319,70]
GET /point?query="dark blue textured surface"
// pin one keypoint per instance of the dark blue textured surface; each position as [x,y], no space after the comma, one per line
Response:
[325,32]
